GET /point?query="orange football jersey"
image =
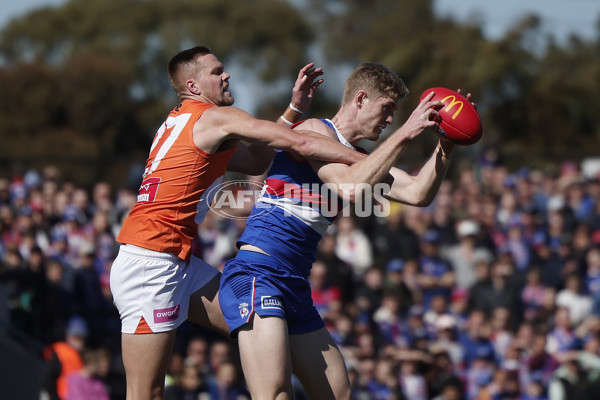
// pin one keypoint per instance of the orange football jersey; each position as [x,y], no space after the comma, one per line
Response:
[174,195]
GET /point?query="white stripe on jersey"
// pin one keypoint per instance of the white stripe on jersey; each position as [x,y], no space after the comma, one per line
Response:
[306,214]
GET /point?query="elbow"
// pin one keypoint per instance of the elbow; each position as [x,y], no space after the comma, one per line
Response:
[303,146]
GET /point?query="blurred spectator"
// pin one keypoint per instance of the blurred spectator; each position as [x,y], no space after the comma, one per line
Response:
[226,384]
[393,239]
[324,293]
[452,389]
[64,358]
[395,284]
[467,253]
[436,275]
[369,291]
[561,338]
[412,382]
[532,295]
[191,385]
[578,304]
[388,322]
[339,273]
[578,377]
[353,246]
[111,372]
[85,383]
[384,383]
[515,254]
[538,365]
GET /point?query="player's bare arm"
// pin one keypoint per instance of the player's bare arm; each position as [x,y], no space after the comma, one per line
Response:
[420,190]
[255,158]
[375,168]
[219,127]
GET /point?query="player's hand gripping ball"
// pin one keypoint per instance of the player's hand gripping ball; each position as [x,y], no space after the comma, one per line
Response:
[460,121]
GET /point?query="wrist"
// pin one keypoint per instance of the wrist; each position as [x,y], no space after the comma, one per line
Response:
[285,121]
[291,115]
[295,109]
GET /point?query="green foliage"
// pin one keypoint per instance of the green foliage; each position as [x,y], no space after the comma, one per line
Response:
[85,82]
[94,71]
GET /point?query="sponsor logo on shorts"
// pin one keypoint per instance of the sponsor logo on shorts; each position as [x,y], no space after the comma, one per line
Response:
[166,314]
[270,302]
[244,311]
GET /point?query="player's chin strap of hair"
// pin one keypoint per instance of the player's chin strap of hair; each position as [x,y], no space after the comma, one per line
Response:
[443,154]
[291,115]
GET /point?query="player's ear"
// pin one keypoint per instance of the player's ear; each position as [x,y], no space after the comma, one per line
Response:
[192,86]
[360,98]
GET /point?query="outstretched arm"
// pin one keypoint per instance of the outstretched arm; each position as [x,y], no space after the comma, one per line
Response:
[255,158]
[221,124]
[420,190]
[375,168]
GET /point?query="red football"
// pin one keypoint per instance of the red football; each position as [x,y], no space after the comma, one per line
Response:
[460,121]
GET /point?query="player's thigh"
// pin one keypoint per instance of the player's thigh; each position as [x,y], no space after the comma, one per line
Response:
[265,356]
[319,365]
[145,358]
[205,309]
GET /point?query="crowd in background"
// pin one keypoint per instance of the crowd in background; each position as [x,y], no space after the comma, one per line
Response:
[491,292]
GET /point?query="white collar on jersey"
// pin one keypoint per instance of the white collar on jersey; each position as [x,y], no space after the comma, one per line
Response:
[341,138]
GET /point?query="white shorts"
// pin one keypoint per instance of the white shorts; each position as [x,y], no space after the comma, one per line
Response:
[156,286]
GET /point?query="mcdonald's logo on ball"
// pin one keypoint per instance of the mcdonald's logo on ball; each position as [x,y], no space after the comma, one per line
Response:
[460,120]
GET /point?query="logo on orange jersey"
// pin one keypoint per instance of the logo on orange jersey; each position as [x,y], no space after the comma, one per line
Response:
[148,189]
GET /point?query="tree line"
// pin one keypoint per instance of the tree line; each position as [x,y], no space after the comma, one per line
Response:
[84,85]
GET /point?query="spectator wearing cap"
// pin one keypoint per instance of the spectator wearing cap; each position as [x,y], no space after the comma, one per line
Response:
[446,329]
[464,255]
[393,283]
[64,358]
[415,325]
[436,276]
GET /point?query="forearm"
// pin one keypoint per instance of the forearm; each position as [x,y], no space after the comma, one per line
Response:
[375,168]
[425,185]
[318,147]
